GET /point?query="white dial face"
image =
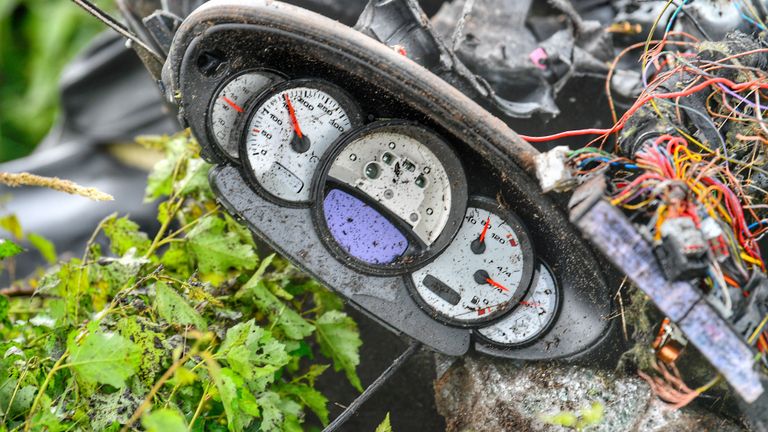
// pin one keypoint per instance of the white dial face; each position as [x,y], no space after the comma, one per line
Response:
[230,105]
[531,318]
[476,278]
[289,134]
[402,175]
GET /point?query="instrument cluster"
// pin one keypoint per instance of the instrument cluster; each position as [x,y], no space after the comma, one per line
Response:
[397,199]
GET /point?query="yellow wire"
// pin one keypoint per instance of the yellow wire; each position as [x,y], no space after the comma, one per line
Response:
[757,330]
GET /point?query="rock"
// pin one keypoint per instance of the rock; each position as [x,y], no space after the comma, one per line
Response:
[481,394]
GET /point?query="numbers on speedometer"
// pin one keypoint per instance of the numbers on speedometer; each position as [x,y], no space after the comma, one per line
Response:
[289,132]
[483,273]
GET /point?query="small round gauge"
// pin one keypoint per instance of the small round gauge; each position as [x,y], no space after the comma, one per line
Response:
[532,318]
[290,130]
[230,103]
[393,194]
[483,273]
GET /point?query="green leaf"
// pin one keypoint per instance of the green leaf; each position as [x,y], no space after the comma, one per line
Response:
[143,333]
[104,358]
[284,317]
[217,251]
[385,426]
[253,353]
[195,182]
[15,399]
[124,234]
[271,414]
[310,398]
[164,420]
[11,224]
[8,249]
[161,178]
[173,308]
[239,404]
[44,246]
[340,341]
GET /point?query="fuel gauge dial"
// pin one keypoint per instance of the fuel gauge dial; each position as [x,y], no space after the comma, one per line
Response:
[229,105]
[484,272]
[532,318]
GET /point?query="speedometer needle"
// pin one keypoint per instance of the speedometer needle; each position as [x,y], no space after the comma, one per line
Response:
[299,142]
[482,277]
[234,106]
[496,284]
[478,245]
[292,113]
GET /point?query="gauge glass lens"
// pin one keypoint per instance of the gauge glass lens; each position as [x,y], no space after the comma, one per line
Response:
[532,318]
[230,103]
[403,176]
[393,195]
[483,273]
[290,131]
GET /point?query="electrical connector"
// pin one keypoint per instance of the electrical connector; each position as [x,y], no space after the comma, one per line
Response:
[552,172]
[713,234]
[683,250]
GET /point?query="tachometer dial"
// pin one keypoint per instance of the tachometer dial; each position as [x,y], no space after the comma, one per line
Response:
[288,133]
[393,195]
[483,273]
[532,318]
[230,103]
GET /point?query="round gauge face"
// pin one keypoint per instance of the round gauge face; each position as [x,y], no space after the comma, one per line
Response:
[393,195]
[229,105]
[289,132]
[532,317]
[483,273]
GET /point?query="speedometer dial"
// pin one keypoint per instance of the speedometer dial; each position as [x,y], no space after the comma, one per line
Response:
[483,273]
[289,132]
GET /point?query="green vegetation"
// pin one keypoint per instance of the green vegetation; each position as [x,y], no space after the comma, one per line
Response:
[186,330]
[37,38]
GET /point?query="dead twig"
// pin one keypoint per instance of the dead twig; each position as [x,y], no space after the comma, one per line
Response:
[55,183]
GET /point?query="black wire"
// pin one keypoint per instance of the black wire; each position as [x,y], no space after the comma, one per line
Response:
[116,26]
[693,20]
[339,421]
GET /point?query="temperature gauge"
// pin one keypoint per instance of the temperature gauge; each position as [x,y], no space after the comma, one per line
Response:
[290,130]
[532,318]
[229,105]
[485,271]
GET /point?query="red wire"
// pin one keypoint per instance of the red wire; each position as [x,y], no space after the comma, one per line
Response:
[642,101]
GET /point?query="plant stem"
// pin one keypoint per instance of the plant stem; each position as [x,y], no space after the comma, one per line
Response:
[41,392]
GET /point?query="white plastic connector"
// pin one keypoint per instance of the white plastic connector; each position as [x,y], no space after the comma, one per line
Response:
[551,170]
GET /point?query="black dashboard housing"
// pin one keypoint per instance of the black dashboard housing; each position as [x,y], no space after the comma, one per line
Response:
[226,37]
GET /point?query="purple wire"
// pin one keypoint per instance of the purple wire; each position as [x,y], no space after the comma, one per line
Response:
[741,98]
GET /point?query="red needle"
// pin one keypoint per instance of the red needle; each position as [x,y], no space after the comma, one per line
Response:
[292,113]
[485,229]
[234,106]
[496,284]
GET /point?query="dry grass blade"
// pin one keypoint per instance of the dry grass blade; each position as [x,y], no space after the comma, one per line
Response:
[55,183]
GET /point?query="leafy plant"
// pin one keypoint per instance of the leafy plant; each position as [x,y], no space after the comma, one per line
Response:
[186,330]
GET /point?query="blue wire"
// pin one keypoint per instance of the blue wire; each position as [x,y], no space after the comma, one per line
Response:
[674,15]
[605,159]
[757,224]
[747,18]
